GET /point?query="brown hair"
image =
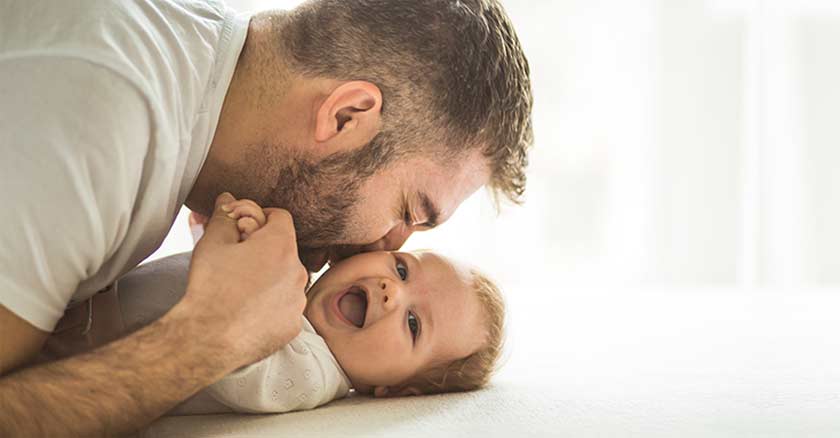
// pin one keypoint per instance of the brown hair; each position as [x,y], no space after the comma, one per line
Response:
[474,371]
[451,72]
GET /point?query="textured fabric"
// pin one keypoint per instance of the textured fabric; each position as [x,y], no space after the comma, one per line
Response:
[107,111]
[302,375]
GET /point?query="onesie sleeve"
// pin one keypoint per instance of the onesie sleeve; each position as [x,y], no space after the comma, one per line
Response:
[297,377]
[73,137]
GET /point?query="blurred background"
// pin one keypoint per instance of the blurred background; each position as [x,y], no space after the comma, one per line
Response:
[680,144]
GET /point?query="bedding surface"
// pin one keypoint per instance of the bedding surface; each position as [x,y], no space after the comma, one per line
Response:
[683,363]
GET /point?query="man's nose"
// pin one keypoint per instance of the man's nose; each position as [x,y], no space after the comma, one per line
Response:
[392,241]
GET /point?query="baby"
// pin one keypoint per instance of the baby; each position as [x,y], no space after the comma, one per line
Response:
[383,323]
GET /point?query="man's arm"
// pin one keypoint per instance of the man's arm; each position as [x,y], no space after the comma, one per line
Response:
[19,341]
[114,389]
[243,301]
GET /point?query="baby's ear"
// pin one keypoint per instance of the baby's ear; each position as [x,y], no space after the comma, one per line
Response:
[384,392]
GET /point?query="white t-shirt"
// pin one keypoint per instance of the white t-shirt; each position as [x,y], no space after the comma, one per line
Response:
[107,112]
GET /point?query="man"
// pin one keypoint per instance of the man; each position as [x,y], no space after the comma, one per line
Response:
[364,120]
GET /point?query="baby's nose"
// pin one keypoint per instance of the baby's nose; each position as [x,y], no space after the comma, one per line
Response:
[390,292]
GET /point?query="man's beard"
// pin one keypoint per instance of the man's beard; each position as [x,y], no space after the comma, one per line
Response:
[321,195]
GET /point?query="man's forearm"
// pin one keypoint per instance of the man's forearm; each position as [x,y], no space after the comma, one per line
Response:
[116,388]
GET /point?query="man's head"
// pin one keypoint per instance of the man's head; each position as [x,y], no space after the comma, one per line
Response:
[371,119]
[390,317]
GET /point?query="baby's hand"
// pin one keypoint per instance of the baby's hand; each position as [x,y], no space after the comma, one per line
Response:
[249,216]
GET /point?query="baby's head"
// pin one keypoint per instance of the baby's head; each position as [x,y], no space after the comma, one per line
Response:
[408,323]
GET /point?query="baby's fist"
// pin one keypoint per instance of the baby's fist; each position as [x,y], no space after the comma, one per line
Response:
[248,215]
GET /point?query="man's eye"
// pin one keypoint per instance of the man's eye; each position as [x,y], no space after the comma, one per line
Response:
[402,270]
[413,326]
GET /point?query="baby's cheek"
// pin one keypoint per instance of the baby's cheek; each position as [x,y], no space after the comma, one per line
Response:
[385,352]
[362,355]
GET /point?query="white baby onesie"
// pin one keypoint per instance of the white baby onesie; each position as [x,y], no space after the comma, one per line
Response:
[302,375]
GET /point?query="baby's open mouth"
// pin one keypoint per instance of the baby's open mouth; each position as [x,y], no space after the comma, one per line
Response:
[353,305]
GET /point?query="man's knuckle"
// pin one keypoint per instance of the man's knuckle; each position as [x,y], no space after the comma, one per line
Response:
[286,217]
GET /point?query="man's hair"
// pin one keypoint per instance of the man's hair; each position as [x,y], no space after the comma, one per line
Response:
[452,72]
[474,371]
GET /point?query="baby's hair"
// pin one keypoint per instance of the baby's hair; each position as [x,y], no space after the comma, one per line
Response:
[474,371]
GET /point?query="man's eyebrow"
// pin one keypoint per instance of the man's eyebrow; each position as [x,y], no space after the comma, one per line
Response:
[430,210]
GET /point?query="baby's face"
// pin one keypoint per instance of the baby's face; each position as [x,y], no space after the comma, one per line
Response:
[389,315]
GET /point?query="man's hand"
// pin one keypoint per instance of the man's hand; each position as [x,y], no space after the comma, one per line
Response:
[244,300]
[250,293]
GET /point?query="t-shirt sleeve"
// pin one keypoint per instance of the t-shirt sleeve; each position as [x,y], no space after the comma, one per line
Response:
[292,379]
[73,136]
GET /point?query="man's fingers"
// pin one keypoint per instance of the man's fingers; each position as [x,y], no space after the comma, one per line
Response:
[278,224]
[221,228]
[224,198]
[279,218]
[277,212]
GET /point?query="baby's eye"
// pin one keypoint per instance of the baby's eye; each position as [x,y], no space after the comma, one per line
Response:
[402,270]
[413,326]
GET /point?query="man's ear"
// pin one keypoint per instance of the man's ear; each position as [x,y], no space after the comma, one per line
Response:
[349,117]
[384,392]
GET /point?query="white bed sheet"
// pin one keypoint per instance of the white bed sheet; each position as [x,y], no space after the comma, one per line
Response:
[637,363]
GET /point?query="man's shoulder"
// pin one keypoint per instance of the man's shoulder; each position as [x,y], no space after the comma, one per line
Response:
[88,108]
